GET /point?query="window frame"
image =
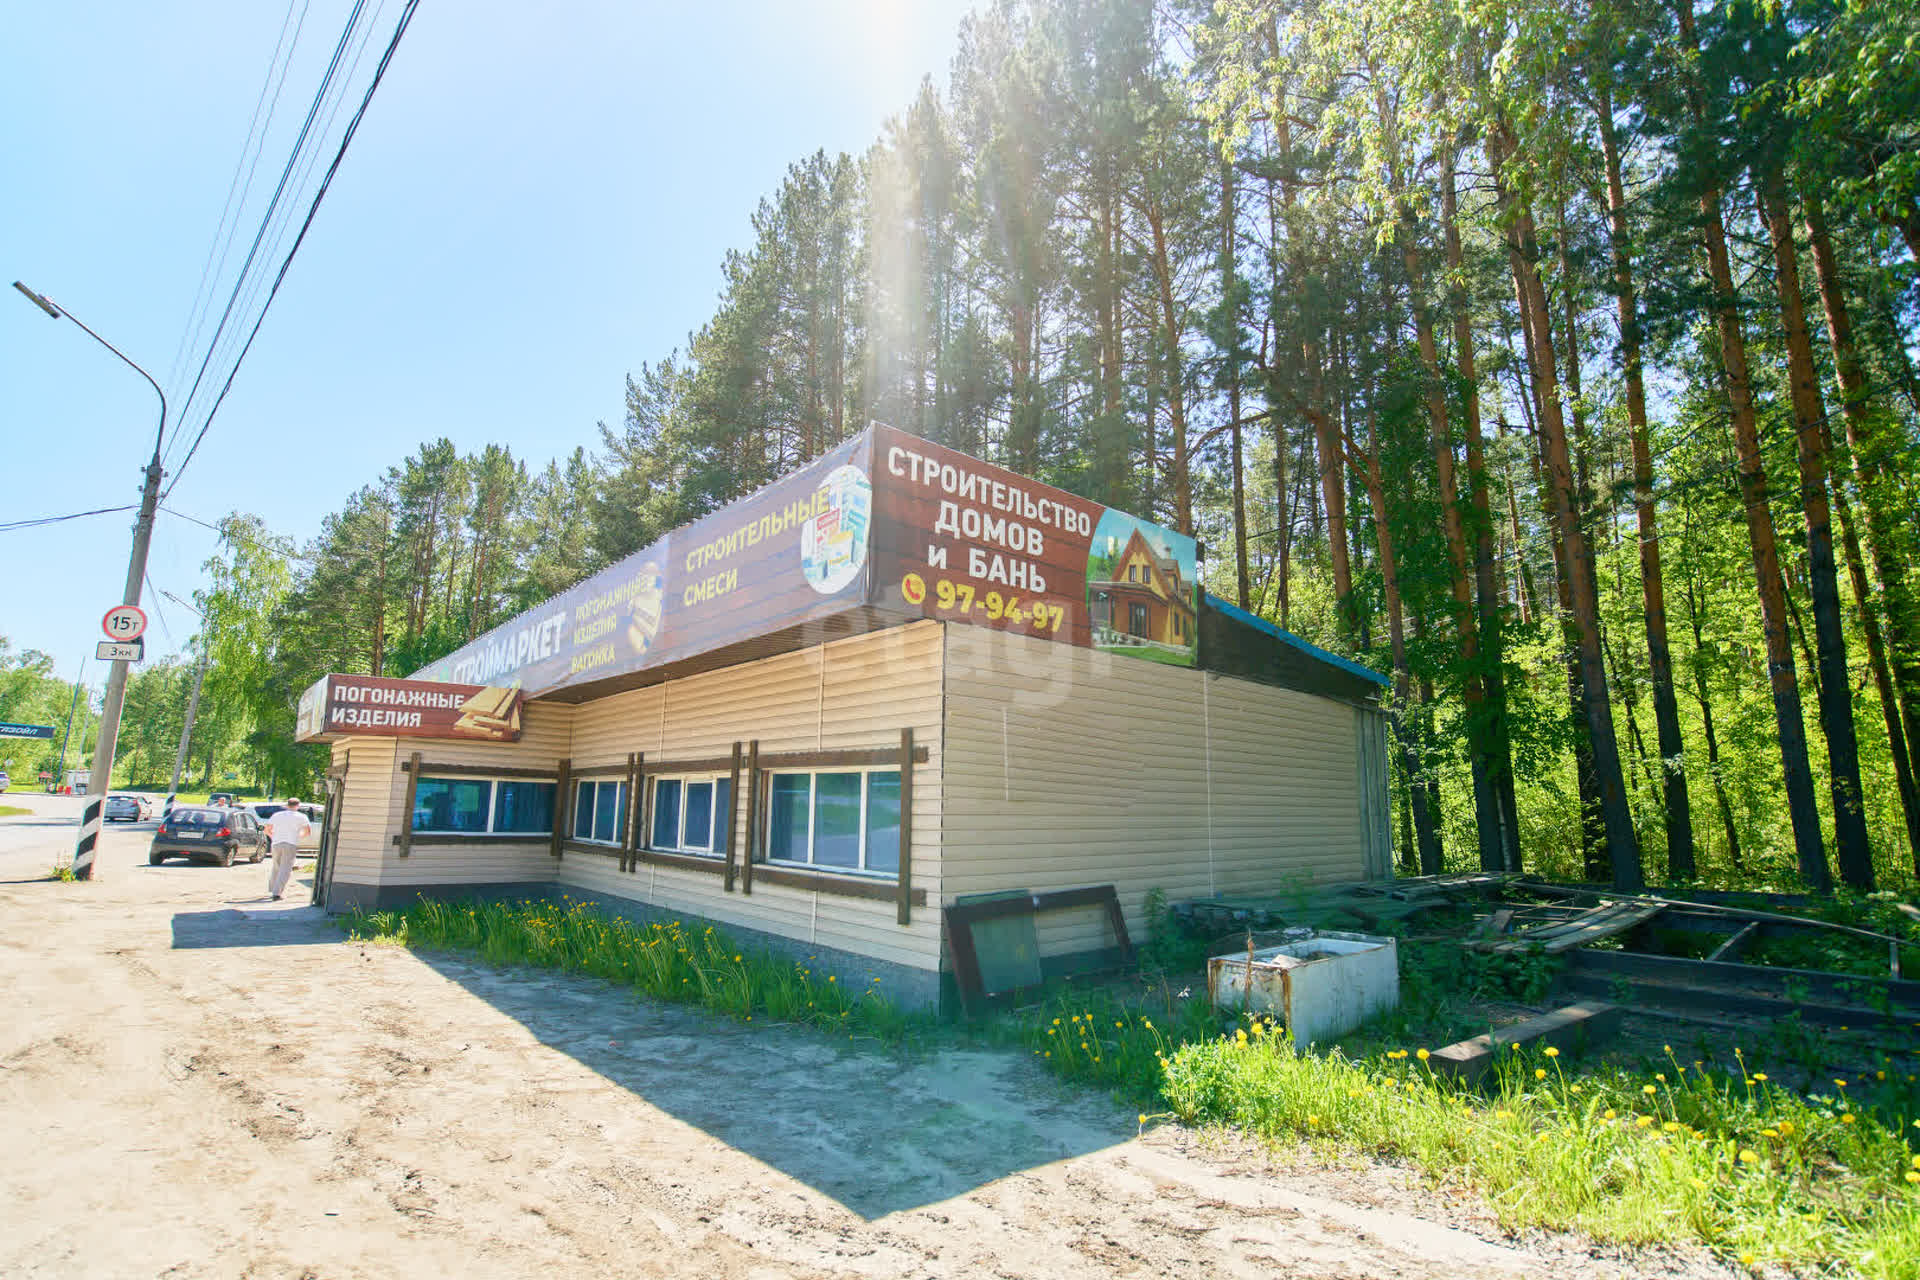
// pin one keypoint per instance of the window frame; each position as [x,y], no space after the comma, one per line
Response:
[863,871]
[489,831]
[718,818]
[623,812]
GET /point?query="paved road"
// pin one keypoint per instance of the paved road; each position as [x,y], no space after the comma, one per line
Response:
[32,845]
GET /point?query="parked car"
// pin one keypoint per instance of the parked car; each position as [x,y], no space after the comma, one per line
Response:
[5,781]
[222,799]
[315,815]
[208,833]
[121,807]
[147,804]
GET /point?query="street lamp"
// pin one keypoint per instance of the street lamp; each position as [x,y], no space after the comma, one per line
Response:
[101,779]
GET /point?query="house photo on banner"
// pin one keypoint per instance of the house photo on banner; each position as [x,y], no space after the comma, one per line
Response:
[895,682]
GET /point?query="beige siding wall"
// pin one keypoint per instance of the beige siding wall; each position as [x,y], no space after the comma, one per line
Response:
[1069,767]
[366,805]
[546,730]
[857,692]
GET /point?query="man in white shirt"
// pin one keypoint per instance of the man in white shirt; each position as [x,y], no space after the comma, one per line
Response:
[285,830]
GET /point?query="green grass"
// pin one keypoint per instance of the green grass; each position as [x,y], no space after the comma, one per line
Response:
[12,811]
[1682,1154]
[666,961]
[1677,1153]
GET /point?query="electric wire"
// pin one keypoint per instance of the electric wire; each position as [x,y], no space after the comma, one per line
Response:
[340,155]
[159,614]
[281,218]
[10,525]
[225,231]
[280,191]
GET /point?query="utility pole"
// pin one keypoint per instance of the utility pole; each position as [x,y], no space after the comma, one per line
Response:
[186,730]
[101,779]
[60,770]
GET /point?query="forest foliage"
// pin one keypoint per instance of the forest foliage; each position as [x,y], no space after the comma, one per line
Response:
[1554,356]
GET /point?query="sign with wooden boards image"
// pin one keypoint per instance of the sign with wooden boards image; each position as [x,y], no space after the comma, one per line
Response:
[884,526]
[376,706]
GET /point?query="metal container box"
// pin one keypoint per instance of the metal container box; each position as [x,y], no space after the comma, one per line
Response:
[1319,987]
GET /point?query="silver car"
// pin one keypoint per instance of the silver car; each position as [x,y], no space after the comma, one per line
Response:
[123,808]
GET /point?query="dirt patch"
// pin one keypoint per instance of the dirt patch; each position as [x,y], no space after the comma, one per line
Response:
[211,1089]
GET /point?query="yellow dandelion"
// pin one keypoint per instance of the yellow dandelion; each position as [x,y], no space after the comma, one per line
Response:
[1839,1084]
[1423,1055]
[1847,1118]
[1539,1073]
[1671,1126]
[1610,1113]
[1552,1052]
[1912,1176]
[1748,1157]
[1577,1089]
[1759,1075]
[1786,1127]
[1143,1117]
[1746,1259]
[1647,1089]
[1661,1076]
[1645,1122]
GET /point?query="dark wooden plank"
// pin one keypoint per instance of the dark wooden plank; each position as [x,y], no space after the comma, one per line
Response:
[414,767]
[966,962]
[834,758]
[684,861]
[697,764]
[1732,947]
[562,806]
[628,842]
[602,770]
[472,838]
[1098,896]
[733,814]
[597,850]
[753,817]
[1776,983]
[874,889]
[904,893]
[406,805]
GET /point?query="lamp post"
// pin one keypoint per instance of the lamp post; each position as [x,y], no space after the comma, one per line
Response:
[101,780]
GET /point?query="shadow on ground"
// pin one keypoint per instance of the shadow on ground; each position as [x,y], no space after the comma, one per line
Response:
[876,1130]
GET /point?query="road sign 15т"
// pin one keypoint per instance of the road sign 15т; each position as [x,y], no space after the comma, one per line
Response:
[124,622]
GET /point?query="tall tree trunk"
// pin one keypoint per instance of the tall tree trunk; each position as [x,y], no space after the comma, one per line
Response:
[1487,585]
[1706,719]
[1666,707]
[1853,851]
[1870,445]
[1623,850]
[1229,232]
[1429,840]
[1176,378]
[1796,772]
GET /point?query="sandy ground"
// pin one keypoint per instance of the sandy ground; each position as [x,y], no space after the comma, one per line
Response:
[198,1083]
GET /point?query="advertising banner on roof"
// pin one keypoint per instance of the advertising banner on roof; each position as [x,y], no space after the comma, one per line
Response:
[793,552]
[963,540]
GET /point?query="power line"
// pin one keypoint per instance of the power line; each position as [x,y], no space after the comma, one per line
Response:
[237,536]
[36,522]
[273,203]
[353,125]
[203,294]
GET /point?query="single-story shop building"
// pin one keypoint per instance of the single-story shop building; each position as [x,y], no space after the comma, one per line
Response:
[896,680]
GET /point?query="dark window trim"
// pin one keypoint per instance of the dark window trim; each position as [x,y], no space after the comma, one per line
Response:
[875,888]
[714,864]
[478,770]
[469,837]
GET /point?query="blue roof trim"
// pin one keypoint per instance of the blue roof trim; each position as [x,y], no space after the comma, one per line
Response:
[1261,624]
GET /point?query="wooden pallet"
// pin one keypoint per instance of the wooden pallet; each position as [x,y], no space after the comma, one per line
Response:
[1603,921]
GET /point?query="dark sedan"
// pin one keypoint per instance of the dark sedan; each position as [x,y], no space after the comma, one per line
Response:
[208,834]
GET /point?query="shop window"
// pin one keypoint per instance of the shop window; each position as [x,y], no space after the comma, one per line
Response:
[483,806]
[836,821]
[600,812]
[690,814]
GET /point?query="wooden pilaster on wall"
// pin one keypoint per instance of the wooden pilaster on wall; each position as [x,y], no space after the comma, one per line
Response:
[904,899]
[733,814]
[562,807]
[628,841]
[406,806]
[753,816]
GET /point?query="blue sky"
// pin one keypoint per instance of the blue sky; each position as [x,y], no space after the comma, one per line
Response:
[538,201]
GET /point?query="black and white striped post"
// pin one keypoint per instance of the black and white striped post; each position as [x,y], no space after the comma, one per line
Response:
[89,837]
